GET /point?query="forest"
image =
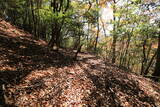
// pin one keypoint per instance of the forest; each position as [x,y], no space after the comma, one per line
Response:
[74,53]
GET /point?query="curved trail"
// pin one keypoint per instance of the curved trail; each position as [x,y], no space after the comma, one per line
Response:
[88,82]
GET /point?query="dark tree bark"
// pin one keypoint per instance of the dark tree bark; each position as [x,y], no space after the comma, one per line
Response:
[149,64]
[33,19]
[144,60]
[78,51]
[114,35]
[157,67]
[114,50]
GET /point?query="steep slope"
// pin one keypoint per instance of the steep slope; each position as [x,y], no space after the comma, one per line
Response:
[32,75]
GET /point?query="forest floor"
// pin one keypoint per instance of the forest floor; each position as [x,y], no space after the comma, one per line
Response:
[34,76]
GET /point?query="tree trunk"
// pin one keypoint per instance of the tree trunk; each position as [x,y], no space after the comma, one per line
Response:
[114,49]
[52,40]
[33,18]
[114,35]
[157,67]
[149,64]
[78,50]
[124,60]
[144,60]
[96,41]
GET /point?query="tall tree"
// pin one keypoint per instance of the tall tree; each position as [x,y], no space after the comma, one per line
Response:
[114,33]
[157,67]
[98,29]
[59,7]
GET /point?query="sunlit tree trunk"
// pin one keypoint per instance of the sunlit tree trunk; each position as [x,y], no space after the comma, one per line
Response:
[97,36]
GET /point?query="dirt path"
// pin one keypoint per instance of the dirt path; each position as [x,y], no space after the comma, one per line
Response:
[88,82]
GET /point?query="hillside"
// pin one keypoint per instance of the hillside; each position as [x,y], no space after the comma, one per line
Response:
[34,76]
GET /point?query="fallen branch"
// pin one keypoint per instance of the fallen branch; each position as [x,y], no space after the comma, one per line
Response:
[156,77]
